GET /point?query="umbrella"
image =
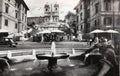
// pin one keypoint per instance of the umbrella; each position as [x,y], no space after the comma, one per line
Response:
[111,32]
[97,31]
[3,31]
[57,31]
[43,32]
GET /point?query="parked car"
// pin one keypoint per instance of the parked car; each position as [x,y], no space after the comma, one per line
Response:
[8,41]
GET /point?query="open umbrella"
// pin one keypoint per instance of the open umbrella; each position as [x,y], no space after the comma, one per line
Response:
[57,31]
[111,32]
[3,32]
[43,32]
[97,31]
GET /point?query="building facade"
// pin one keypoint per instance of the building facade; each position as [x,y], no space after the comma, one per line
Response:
[98,14]
[51,13]
[13,15]
[36,20]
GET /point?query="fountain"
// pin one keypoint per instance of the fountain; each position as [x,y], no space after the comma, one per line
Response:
[52,58]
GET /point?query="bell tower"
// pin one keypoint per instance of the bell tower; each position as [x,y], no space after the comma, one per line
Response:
[47,12]
[51,13]
[56,12]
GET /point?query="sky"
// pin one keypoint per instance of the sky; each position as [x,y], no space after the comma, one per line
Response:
[37,6]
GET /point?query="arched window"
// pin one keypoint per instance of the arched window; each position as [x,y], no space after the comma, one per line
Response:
[6,8]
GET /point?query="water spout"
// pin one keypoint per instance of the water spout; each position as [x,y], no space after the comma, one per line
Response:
[53,49]
[9,55]
[73,51]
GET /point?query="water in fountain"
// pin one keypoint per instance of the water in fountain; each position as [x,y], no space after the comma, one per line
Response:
[53,49]
[68,59]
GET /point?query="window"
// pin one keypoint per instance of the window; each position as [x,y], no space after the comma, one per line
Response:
[81,7]
[88,13]
[16,14]
[6,22]
[77,18]
[81,27]
[16,25]
[95,23]
[77,10]
[56,9]
[25,19]
[22,16]
[108,20]
[80,16]
[6,8]
[46,9]
[107,5]
[96,8]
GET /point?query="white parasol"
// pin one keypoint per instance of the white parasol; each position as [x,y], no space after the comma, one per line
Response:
[111,32]
[97,31]
[3,31]
[57,31]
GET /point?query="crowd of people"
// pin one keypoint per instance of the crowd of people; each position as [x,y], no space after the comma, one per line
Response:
[48,37]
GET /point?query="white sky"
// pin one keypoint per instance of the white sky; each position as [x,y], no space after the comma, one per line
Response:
[36,6]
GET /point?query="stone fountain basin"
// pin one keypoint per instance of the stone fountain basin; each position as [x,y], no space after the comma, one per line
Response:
[48,56]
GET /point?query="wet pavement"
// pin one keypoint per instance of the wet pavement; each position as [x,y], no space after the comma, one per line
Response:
[31,69]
